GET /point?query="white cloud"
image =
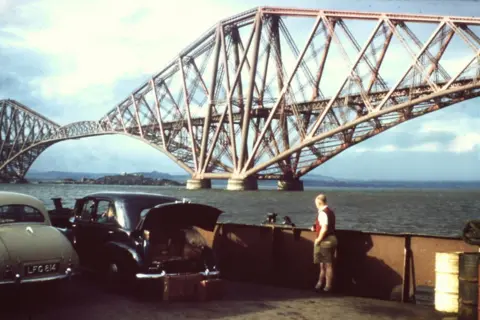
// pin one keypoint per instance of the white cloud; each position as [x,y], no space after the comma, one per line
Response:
[456,122]
[385,148]
[465,127]
[465,143]
[97,43]
[426,147]
[462,143]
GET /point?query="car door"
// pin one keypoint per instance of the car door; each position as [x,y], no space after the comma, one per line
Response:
[82,241]
[105,228]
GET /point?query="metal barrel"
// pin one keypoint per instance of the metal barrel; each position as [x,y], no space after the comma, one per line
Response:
[446,281]
[468,285]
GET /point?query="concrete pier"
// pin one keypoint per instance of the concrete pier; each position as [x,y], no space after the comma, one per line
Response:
[290,185]
[197,184]
[249,183]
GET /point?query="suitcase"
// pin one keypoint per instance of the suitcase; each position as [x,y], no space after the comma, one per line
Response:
[181,287]
[212,289]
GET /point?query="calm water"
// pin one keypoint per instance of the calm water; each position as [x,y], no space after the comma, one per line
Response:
[436,212]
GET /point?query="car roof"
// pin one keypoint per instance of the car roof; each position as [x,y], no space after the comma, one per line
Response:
[13,198]
[125,196]
[134,202]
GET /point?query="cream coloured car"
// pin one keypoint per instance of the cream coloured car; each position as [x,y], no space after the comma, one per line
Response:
[31,249]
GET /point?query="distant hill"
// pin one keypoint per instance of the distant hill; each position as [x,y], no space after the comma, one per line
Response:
[319,177]
[60,175]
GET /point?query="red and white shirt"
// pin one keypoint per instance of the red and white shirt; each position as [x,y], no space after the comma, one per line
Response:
[322,216]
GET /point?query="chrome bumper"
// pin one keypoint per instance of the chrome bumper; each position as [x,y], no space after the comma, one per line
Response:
[163,274]
[18,279]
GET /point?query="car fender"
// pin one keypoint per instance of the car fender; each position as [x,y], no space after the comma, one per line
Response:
[68,233]
[4,255]
[67,236]
[124,253]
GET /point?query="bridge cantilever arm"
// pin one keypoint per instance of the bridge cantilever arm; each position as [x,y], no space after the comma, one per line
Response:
[356,122]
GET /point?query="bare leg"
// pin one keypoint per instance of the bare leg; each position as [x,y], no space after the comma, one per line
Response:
[329,275]
[321,276]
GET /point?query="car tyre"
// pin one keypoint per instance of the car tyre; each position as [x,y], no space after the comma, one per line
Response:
[113,275]
[117,276]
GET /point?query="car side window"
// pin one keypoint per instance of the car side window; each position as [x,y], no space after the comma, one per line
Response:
[20,213]
[88,211]
[106,212]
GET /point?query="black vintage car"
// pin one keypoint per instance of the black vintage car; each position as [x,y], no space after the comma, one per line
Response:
[142,236]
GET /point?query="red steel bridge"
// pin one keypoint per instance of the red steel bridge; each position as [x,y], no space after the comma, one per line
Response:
[251,100]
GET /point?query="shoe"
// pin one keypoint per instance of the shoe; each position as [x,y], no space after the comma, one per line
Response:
[318,287]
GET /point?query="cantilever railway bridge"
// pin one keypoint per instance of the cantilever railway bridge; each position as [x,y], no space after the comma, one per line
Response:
[252,100]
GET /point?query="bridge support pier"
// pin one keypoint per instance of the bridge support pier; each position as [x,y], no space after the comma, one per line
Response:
[249,183]
[290,185]
[197,184]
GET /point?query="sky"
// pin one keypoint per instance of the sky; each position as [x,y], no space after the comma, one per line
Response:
[75,60]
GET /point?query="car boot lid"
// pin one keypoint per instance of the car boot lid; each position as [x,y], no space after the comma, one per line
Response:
[34,242]
[181,213]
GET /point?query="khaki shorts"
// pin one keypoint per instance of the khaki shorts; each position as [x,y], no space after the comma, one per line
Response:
[325,251]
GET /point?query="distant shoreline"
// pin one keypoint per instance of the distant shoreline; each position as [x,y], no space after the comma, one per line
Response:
[118,179]
[167,179]
[163,182]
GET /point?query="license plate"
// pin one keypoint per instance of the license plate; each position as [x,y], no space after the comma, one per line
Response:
[43,268]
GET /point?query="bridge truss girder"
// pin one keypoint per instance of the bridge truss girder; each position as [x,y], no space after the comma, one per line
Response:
[253,109]
[248,99]
[21,129]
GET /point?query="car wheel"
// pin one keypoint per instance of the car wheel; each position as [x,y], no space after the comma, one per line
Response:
[117,276]
[113,275]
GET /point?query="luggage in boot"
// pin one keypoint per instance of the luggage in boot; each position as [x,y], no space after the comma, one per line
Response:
[181,287]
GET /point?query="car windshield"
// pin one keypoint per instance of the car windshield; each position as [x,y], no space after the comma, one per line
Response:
[20,213]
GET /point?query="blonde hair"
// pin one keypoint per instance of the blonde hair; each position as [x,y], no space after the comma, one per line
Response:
[110,212]
[320,199]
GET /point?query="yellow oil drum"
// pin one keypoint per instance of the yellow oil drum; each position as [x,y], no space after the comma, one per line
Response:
[446,281]
[468,285]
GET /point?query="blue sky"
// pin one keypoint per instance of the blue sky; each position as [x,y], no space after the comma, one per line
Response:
[74,60]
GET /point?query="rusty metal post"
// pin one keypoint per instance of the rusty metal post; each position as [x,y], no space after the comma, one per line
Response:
[186,97]
[158,113]
[407,257]
[137,116]
[211,98]
[283,117]
[238,65]
[251,87]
